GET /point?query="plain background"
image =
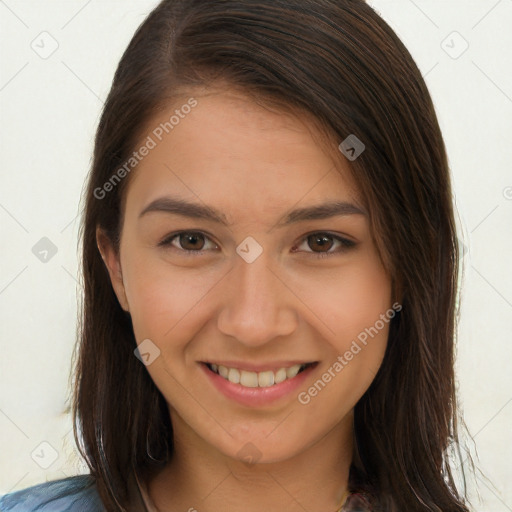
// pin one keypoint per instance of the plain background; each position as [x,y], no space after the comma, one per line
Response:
[50,107]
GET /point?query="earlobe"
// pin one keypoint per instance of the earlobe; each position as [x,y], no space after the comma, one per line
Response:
[111,258]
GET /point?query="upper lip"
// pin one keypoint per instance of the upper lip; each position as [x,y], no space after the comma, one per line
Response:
[258,367]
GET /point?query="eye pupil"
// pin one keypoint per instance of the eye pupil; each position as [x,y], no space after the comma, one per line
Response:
[192,238]
[322,241]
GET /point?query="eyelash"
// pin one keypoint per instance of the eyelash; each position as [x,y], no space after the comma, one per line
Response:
[345,243]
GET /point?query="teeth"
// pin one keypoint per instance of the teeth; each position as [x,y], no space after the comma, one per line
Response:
[253,379]
[292,371]
[266,379]
[280,375]
[248,379]
[234,375]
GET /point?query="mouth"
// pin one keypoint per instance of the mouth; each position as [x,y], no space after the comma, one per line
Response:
[259,379]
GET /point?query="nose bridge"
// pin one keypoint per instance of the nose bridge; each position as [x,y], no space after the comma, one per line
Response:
[256,307]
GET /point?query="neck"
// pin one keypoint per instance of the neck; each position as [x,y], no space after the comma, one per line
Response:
[201,478]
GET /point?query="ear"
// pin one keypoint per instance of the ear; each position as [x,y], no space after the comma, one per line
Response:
[111,258]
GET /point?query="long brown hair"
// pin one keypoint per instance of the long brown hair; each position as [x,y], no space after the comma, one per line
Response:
[340,62]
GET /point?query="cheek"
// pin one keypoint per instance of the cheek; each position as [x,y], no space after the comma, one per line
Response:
[349,299]
[359,312]
[162,296]
[365,297]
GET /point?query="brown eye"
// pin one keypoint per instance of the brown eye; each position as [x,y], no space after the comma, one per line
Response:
[320,244]
[320,241]
[189,243]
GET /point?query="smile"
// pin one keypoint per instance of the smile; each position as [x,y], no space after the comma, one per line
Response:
[263,379]
[251,388]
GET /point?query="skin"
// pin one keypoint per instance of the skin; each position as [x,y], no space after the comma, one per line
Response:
[240,158]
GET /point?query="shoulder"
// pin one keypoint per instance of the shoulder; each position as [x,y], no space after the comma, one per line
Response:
[72,494]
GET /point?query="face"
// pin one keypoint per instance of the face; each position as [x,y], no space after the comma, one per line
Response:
[268,284]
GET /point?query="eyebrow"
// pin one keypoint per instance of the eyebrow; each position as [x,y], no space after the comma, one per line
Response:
[176,206]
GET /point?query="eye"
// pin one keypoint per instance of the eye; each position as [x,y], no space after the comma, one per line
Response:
[325,242]
[190,243]
[195,243]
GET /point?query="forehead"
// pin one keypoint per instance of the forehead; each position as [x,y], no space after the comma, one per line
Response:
[229,150]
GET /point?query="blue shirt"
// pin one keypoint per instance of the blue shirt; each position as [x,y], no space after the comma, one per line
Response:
[72,494]
[79,494]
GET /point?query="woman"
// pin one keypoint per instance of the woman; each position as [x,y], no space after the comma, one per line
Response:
[270,271]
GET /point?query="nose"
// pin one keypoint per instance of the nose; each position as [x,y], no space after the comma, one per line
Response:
[256,305]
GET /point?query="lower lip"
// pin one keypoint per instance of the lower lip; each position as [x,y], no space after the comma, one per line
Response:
[257,396]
